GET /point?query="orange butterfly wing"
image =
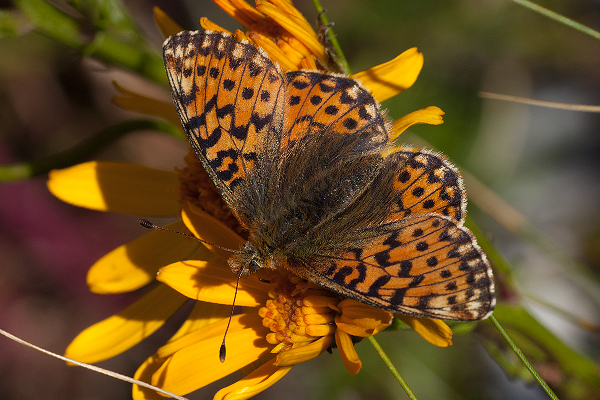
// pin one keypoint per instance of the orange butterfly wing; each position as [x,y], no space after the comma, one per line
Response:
[419,260]
[426,266]
[229,96]
[425,183]
[318,103]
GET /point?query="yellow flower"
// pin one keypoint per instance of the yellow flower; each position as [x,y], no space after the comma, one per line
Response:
[279,28]
[284,320]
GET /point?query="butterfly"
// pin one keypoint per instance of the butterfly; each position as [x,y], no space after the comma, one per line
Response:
[304,161]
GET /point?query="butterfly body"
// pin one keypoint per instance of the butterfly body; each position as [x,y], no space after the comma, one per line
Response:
[303,159]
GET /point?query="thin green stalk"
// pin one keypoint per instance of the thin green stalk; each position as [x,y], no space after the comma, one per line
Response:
[522,357]
[392,368]
[338,57]
[81,152]
[557,17]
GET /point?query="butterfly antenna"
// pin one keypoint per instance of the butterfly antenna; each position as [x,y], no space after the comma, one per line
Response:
[222,349]
[147,224]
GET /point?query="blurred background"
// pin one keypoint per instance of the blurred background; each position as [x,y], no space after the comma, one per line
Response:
[542,164]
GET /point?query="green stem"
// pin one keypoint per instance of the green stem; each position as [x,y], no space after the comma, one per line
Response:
[522,357]
[557,17]
[338,56]
[81,152]
[392,368]
[112,50]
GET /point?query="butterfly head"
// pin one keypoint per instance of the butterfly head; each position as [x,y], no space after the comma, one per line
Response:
[251,258]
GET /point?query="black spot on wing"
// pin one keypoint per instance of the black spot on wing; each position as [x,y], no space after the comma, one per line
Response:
[340,275]
[259,122]
[362,274]
[376,286]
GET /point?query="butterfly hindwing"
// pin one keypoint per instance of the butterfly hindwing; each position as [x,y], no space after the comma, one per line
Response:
[401,245]
[425,266]
[425,183]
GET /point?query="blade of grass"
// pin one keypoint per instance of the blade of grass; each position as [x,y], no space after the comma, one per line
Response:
[541,103]
[392,368]
[522,357]
[92,367]
[560,18]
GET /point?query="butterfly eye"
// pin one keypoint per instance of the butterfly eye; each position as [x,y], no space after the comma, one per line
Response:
[253,265]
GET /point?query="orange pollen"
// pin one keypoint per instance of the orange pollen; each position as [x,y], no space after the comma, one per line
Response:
[293,320]
[196,187]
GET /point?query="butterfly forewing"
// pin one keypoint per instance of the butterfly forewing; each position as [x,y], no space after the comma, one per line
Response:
[227,95]
[332,143]
[317,103]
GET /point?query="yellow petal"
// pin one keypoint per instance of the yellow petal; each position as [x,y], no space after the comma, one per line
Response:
[431,115]
[207,227]
[198,364]
[320,329]
[203,315]
[274,52]
[208,25]
[319,301]
[144,373]
[124,330]
[347,352]
[214,330]
[290,53]
[303,353]
[118,187]
[395,76]
[309,63]
[241,11]
[257,381]
[165,24]
[288,8]
[295,26]
[132,101]
[434,331]
[239,35]
[296,45]
[317,319]
[213,282]
[135,264]
[360,319]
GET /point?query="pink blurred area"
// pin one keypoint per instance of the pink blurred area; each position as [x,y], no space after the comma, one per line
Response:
[50,100]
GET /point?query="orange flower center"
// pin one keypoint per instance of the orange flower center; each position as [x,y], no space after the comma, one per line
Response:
[298,312]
